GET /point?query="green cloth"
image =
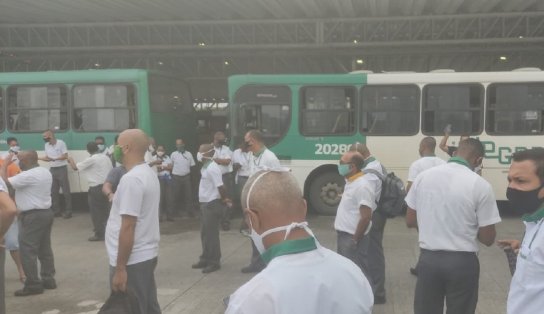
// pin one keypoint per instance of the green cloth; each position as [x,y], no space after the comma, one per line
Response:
[289,247]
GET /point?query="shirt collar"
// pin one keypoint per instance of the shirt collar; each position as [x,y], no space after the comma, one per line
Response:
[355,176]
[259,153]
[461,161]
[289,247]
[534,217]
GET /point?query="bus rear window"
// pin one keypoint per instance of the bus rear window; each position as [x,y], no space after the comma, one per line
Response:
[327,110]
[37,108]
[515,109]
[390,110]
[264,108]
[460,105]
[103,108]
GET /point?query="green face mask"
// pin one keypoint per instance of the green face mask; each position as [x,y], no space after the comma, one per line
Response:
[343,169]
[118,154]
[181,148]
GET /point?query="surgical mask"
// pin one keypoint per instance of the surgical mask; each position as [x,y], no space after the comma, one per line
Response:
[258,238]
[101,147]
[343,169]
[118,154]
[151,148]
[526,202]
[46,139]
[160,154]
[181,148]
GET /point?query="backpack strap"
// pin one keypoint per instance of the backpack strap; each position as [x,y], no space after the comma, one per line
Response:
[376,173]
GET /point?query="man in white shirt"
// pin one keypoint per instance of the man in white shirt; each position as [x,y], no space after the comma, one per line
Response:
[132,232]
[453,208]
[33,198]
[213,198]
[8,212]
[375,172]
[260,158]
[428,160]
[223,157]
[240,161]
[526,195]
[182,162]
[96,168]
[354,215]
[164,171]
[13,148]
[302,276]
[56,153]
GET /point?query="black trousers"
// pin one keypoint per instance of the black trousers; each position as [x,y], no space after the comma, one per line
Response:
[99,206]
[165,205]
[376,258]
[211,212]
[35,243]
[453,276]
[60,180]
[181,187]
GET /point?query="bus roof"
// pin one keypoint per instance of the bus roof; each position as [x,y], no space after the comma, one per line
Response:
[358,78]
[79,76]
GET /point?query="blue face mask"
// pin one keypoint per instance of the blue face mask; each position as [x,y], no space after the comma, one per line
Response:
[343,169]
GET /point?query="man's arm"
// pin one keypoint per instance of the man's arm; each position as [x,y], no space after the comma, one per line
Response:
[444,143]
[107,189]
[366,216]
[72,163]
[222,161]
[7,212]
[486,235]
[408,186]
[126,242]
[411,218]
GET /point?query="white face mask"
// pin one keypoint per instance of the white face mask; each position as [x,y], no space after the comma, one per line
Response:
[258,238]
[101,147]
[160,154]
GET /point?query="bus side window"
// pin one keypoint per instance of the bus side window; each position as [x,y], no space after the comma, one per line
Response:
[515,109]
[460,105]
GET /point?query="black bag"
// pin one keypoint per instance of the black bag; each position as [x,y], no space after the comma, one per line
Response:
[391,202]
[121,303]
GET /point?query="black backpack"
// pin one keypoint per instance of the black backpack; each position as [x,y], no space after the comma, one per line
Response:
[391,202]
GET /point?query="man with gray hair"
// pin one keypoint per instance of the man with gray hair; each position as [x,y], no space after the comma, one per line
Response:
[276,213]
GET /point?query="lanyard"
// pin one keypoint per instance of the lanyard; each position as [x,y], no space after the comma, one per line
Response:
[536,233]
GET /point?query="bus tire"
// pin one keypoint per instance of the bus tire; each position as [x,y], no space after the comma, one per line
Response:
[325,192]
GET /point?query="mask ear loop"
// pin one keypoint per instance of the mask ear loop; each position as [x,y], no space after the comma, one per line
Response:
[252,186]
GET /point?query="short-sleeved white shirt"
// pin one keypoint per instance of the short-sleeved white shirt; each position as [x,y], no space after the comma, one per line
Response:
[166,161]
[423,164]
[223,152]
[357,193]
[527,286]
[96,168]
[182,163]
[137,195]
[375,165]
[241,158]
[452,203]
[266,160]
[56,151]
[292,284]
[32,188]
[211,180]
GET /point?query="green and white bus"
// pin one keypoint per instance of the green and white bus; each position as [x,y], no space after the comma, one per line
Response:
[310,120]
[81,105]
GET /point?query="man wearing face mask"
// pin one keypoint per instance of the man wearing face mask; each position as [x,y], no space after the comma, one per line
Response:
[453,208]
[354,215]
[260,158]
[213,198]
[526,194]
[13,148]
[56,154]
[101,143]
[96,168]
[182,161]
[223,157]
[164,168]
[302,276]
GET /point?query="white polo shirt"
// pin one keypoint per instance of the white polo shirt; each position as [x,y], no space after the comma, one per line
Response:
[266,160]
[375,165]
[211,180]
[241,158]
[318,282]
[527,286]
[137,195]
[423,164]
[56,151]
[223,152]
[452,203]
[32,188]
[96,168]
[358,192]
[182,163]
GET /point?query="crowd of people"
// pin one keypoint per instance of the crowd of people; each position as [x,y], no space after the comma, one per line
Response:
[134,184]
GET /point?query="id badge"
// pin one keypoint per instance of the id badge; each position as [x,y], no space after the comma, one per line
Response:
[525,253]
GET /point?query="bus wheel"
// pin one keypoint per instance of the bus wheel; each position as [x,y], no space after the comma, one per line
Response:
[325,193]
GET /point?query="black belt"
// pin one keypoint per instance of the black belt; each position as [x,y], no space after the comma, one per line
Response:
[448,252]
[31,211]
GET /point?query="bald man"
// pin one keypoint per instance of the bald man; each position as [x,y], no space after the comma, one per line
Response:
[276,213]
[132,231]
[33,198]
[56,153]
[428,160]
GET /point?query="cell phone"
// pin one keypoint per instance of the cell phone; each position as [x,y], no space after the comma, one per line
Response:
[512,259]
